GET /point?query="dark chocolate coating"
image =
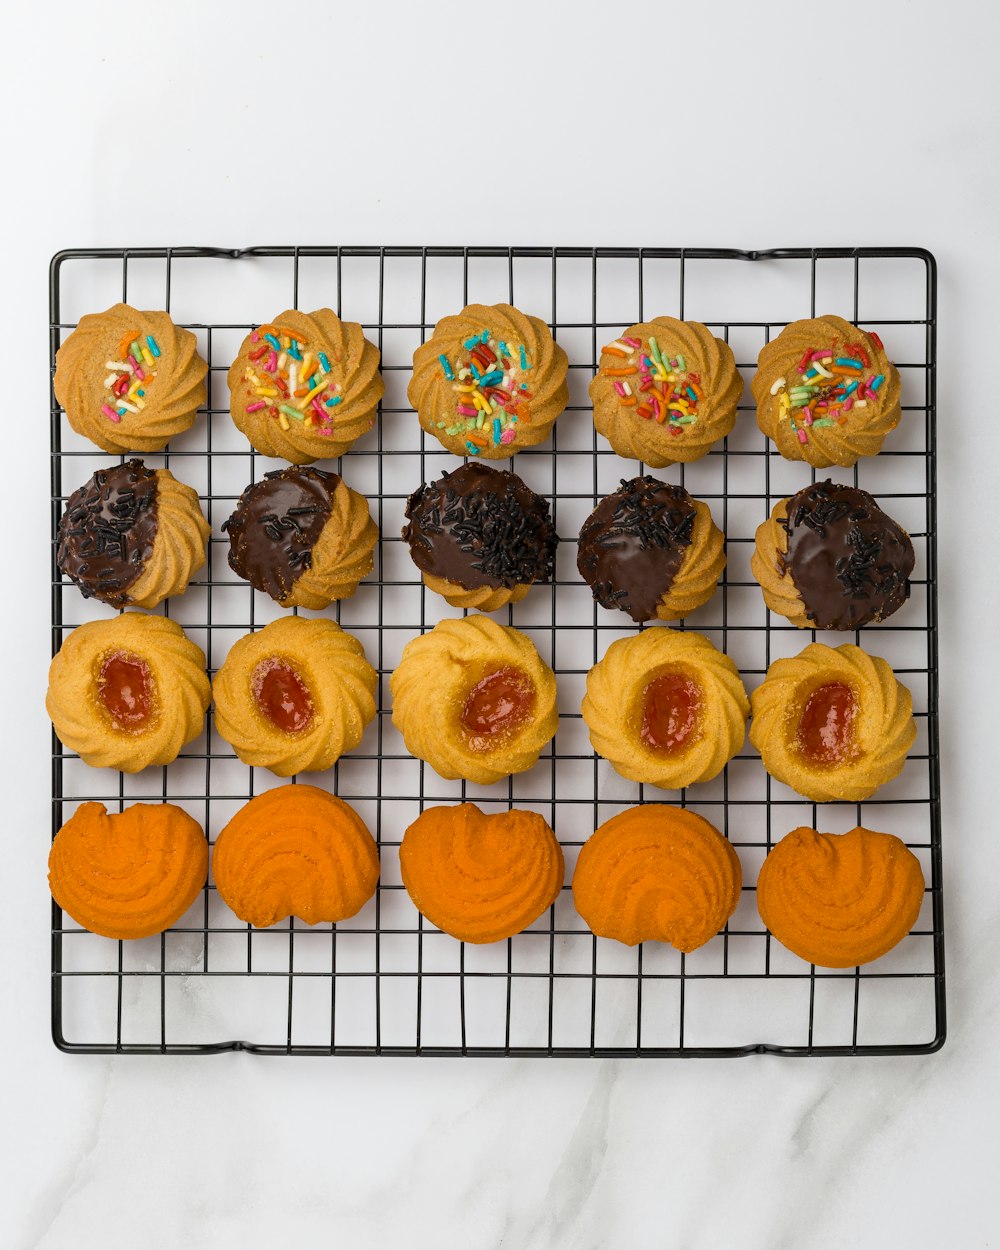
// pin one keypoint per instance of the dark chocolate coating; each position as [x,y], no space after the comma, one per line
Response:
[277,522]
[481,526]
[633,543]
[849,561]
[107,532]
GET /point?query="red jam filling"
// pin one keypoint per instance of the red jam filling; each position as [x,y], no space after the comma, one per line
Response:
[125,688]
[826,726]
[282,696]
[497,705]
[671,709]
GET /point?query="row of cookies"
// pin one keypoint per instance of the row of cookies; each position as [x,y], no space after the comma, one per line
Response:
[664,706]
[490,381]
[651,873]
[828,557]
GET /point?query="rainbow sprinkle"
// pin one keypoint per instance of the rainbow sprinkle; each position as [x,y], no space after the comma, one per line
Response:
[128,377]
[291,382]
[490,397]
[832,382]
[659,387]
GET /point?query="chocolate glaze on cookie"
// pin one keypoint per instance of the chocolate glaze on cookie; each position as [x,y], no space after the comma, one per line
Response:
[276,524]
[849,561]
[481,527]
[633,543]
[107,532]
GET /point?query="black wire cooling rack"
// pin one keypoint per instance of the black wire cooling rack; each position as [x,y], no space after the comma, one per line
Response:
[386,982]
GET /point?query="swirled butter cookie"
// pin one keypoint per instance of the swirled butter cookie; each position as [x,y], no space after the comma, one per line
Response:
[479,877]
[132,536]
[129,380]
[474,699]
[830,558]
[489,381]
[302,536]
[832,722]
[651,550]
[666,707]
[826,392]
[839,900]
[128,874]
[128,692]
[665,391]
[480,537]
[306,386]
[294,696]
[295,851]
[657,873]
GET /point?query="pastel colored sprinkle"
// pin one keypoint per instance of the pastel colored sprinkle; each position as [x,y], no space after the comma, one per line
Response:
[466,410]
[508,435]
[524,358]
[289,411]
[822,423]
[110,413]
[777,386]
[633,343]
[680,363]
[803,436]
[257,406]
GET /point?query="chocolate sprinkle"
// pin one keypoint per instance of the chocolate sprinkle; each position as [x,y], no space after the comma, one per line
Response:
[633,543]
[277,522]
[107,532]
[849,561]
[481,527]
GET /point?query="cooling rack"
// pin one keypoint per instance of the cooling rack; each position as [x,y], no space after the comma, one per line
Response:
[386,982]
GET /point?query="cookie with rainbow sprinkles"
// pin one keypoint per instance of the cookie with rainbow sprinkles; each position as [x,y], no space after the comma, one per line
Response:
[826,392]
[129,380]
[306,386]
[665,391]
[489,381]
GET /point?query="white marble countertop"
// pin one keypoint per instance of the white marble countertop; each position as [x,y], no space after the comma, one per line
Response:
[774,125]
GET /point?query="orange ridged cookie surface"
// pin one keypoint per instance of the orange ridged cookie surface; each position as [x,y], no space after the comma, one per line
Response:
[128,874]
[481,877]
[839,900]
[295,851]
[657,873]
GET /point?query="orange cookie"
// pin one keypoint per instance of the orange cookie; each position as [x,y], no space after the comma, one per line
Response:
[295,851]
[481,877]
[128,874]
[657,873]
[839,900]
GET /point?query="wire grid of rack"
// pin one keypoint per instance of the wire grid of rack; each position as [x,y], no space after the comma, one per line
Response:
[387,982]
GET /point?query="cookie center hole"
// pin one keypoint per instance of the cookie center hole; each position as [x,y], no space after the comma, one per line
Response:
[282,696]
[671,710]
[125,688]
[826,727]
[497,705]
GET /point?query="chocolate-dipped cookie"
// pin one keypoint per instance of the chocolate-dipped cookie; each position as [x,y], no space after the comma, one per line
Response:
[302,536]
[651,550]
[131,536]
[480,537]
[830,558]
